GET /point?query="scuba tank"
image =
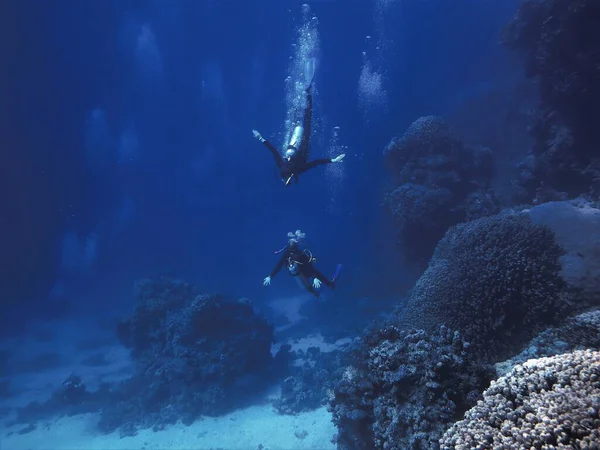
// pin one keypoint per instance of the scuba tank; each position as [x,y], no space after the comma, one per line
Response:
[296,138]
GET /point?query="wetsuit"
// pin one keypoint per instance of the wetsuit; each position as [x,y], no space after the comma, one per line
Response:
[293,254]
[299,162]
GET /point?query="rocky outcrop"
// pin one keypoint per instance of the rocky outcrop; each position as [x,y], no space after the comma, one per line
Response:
[439,182]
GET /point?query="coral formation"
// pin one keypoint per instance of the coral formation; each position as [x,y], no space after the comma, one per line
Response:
[193,353]
[543,403]
[558,39]
[311,380]
[439,182]
[496,280]
[405,388]
[576,333]
[71,398]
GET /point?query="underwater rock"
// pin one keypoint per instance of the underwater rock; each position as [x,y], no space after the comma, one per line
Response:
[576,228]
[543,403]
[496,280]
[194,354]
[70,399]
[577,333]
[405,388]
[439,183]
[559,42]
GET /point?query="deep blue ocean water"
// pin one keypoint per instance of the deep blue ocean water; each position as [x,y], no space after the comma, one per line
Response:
[128,126]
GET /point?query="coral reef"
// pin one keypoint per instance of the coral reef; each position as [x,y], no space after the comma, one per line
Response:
[194,354]
[439,182]
[544,403]
[311,380]
[405,388]
[576,333]
[558,40]
[496,280]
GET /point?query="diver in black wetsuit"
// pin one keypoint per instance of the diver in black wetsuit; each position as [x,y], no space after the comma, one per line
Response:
[300,265]
[295,161]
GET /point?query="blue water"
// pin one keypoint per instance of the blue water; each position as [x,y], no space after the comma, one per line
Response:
[188,81]
[127,151]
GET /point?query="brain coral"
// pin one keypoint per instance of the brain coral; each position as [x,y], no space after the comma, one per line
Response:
[547,403]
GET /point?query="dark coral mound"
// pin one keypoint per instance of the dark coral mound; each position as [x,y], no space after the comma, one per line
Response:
[194,354]
[439,182]
[404,389]
[71,398]
[496,280]
[559,41]
[311,380]
[544,403]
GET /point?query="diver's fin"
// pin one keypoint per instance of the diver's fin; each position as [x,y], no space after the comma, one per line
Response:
[310,66]
[336,274]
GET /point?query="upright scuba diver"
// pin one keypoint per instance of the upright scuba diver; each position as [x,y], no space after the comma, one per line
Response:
[299,263]
[295,161]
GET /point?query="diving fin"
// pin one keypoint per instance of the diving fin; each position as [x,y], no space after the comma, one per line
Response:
[336,274]
[310,66]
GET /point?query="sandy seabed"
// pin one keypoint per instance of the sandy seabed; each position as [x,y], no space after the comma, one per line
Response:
[246,429]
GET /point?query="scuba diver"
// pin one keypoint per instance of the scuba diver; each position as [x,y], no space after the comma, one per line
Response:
[295,161]
[300,265]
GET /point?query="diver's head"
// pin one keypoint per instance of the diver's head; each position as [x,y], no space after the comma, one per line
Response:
[289,153]
[295,237]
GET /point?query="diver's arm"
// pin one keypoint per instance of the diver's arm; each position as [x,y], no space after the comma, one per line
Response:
[276,156]
[271,147]
[314,163]
[279,265]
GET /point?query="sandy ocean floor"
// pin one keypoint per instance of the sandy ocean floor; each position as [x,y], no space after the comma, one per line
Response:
[50,353]
[245,429]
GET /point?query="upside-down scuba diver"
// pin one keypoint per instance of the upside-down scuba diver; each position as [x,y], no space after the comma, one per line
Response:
[295,161]
[299,263]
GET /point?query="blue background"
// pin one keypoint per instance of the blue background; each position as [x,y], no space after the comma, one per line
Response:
[208,208]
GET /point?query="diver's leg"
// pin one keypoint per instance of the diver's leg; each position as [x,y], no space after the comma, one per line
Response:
[308,113]
[307,124]
[306,283]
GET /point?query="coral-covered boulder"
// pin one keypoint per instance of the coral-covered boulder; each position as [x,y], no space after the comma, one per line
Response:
[543,403]
[439,182]
[194,354]
[404,389]
[496,280]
